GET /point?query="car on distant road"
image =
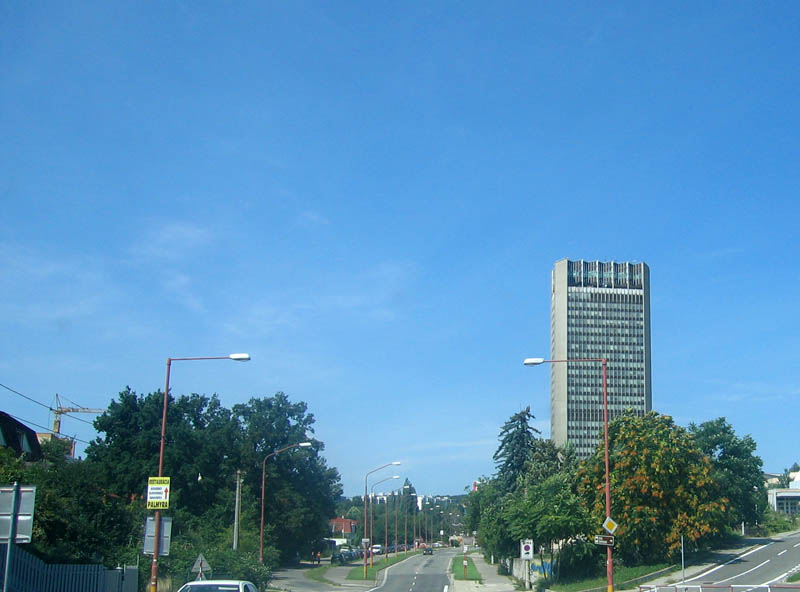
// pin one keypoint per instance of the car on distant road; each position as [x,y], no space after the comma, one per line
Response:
[218,586]
[427,551]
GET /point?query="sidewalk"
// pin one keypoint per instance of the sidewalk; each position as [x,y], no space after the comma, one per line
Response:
[492,581]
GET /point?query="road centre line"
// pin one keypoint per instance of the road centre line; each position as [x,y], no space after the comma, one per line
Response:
[744,573]
[704,574]
[782,552]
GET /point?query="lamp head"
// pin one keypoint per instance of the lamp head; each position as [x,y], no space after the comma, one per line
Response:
[304,444]
[397,462]
[533,361]
[240,357]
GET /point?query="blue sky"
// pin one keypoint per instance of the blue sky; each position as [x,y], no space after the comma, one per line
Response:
[368,197]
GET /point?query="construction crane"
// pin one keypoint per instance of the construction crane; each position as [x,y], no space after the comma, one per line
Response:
[59,411]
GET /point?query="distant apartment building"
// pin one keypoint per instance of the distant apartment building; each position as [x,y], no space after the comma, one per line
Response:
[597,310]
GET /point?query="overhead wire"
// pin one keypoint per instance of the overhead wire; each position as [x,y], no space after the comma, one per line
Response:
[25,421]
[8,388]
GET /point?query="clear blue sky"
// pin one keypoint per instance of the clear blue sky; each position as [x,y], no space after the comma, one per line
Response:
[368,197]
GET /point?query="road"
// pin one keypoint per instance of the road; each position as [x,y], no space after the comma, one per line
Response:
[421,573]
[768,563]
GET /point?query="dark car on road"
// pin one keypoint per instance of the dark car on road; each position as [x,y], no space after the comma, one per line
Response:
[427,551]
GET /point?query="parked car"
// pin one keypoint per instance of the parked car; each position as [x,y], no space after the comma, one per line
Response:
[218,586]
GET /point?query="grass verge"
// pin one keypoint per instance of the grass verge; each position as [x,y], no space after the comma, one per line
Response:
[794,577]
[457,567]
[357,573]
[621,575]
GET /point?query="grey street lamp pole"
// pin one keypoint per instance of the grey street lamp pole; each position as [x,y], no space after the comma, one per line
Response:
[263,479]
[604,363]
[157,533]
[366,551]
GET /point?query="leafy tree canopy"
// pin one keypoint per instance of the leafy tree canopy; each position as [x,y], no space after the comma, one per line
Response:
[662,487]
[737,469]
[205,446]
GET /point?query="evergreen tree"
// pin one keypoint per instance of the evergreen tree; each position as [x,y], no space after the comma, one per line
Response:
[517,438]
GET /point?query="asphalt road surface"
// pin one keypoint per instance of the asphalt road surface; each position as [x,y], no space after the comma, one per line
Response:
[421,573]
[768,563]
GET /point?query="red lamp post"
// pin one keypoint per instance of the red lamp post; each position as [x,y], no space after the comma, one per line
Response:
[153,585]
[603,362]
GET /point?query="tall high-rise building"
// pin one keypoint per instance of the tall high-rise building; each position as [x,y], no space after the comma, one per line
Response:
[597,310]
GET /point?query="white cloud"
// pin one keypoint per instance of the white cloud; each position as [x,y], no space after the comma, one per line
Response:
[39,287]
[181,287]
[374,294]
[171,242]
[311,219]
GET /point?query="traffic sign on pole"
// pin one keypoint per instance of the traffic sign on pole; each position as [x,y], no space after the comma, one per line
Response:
[610,525]
[158,493]
[526,549]
[605,540]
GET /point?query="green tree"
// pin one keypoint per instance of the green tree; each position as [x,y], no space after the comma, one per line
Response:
[76,521]
[486,513]
[662,487]
[737,469]
[517,438]
[560,517]
[546,459]
[206,445]
[301,490]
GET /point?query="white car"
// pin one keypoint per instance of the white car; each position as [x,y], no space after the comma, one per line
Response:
[218,586]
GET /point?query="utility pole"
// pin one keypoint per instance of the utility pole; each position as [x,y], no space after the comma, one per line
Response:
[236,510]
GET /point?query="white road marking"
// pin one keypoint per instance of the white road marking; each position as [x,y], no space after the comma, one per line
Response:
[744,573]
[445,588]
[797,545]
[782,552]
[704,574]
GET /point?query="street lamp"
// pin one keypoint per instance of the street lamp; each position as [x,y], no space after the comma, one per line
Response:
[263,478]
[405,527]
[603,362]
[414,521]
[372,517]
[157,533]
[395,463]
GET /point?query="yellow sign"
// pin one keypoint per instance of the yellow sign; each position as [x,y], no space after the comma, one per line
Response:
[610,525]
[158,493]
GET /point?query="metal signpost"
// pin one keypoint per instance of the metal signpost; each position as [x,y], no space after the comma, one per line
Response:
[16,520]
[526,554]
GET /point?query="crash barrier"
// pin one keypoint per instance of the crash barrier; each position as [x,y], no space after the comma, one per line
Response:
[28,573]
[721,588]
